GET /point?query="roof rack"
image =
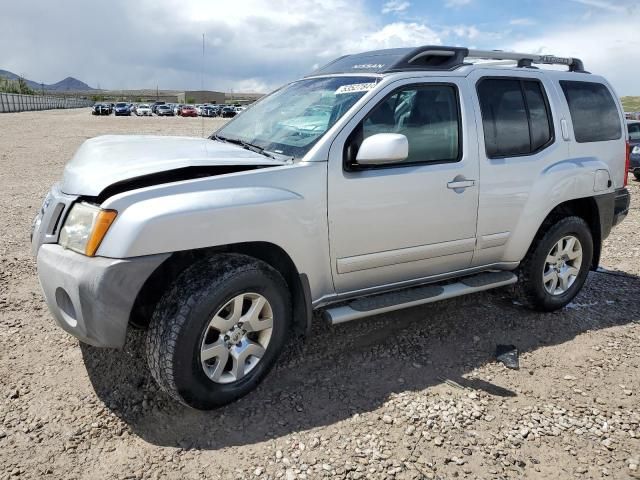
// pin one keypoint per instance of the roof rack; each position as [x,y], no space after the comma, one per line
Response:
[435,57]
[525,60]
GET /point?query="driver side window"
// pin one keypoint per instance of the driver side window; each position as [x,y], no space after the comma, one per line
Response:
[428,115]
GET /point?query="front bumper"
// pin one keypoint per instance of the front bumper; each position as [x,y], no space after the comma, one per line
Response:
[91,297]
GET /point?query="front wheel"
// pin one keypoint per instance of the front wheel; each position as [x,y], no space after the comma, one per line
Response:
[556,266]
[219,330]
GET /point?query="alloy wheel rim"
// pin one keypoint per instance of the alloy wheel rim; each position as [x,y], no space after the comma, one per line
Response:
[562,265]
[236,338]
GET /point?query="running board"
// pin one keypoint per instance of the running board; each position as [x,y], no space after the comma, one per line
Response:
[410,297]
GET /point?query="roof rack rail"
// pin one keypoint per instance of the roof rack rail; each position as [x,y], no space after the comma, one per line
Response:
[527,59]
[435,57]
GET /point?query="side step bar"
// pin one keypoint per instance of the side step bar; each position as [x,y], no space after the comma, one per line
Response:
[410,297]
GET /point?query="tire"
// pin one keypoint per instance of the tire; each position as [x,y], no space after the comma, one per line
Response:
[180,329]
[531,289]
[637,175]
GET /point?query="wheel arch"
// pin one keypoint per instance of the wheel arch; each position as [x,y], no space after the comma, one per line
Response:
[272,254]
[593,210]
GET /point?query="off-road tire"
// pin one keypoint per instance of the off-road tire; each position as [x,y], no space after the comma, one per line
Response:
[178,324]
[530,290]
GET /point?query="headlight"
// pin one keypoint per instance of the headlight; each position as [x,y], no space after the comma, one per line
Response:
[636,149]
[85,227]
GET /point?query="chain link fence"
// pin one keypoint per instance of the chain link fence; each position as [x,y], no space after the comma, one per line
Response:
[15,102]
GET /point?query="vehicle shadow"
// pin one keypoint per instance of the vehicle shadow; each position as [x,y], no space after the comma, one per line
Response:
[354,368]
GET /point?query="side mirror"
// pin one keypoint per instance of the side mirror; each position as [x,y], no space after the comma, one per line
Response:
[383,148]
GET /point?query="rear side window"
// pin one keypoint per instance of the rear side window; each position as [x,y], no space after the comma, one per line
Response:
[593,111]
[515,117]
[634,131]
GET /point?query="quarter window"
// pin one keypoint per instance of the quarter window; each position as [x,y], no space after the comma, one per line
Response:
[594,114]
[515,117]
[428,115]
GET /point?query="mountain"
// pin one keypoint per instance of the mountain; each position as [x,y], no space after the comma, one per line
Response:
[69,84]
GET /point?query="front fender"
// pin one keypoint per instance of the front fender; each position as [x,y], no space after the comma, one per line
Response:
[227,210]
[193,220]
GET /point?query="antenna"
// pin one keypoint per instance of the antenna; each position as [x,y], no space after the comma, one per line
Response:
[202,84]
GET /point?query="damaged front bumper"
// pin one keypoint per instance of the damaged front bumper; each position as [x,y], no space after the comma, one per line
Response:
[91,297]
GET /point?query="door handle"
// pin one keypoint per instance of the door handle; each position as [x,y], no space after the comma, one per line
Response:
[455,184]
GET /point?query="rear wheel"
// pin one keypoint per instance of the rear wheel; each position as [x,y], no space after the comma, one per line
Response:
[219,330]
[556,266]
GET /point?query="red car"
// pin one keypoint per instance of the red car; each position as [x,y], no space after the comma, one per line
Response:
[188,111]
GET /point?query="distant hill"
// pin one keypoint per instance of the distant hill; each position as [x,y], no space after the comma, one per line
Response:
[631,104]
[68,84]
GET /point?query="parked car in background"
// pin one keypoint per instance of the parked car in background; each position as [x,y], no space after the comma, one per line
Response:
[209,111]
[154,105]
[240,109]
[634,144]
[122,109]
[101,109]
[176,108]
[164,111]
[228,112]
[143,110]
[188,111]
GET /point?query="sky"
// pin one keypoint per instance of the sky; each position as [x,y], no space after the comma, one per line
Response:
[258,45]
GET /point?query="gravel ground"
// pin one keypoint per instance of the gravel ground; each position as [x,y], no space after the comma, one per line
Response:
[410,395]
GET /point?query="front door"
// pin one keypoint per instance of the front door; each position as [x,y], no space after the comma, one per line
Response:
[407,221]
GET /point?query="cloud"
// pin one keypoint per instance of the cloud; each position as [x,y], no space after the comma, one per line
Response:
[395,6]
[602,4]
[122,44]
[466,31]
[456,3]
[398,34]
[522,21]
[607,48]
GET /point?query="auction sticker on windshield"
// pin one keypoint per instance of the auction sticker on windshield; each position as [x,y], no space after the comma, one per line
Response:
[355,88]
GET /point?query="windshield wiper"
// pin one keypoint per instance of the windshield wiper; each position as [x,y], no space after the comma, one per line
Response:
[245,145]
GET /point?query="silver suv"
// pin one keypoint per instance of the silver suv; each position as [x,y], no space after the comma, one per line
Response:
[383,180]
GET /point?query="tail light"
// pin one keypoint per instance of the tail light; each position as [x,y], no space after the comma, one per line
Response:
[627,165]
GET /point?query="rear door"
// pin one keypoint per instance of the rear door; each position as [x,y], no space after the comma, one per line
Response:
[402,222]
[518,140]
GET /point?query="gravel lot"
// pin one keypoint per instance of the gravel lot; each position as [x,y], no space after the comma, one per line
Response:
[410,395]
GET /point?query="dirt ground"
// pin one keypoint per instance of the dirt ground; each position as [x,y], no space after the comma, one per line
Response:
[415,394]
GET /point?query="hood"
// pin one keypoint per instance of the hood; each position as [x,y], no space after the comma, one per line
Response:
[106,160]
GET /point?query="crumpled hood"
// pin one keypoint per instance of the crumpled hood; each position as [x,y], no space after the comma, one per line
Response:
[109,159]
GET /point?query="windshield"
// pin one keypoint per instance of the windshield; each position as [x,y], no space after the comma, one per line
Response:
[291,120]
